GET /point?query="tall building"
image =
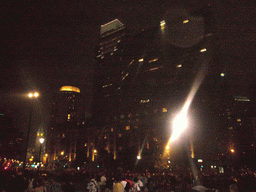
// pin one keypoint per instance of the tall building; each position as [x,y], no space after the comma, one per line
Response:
[67,112]
[140,87]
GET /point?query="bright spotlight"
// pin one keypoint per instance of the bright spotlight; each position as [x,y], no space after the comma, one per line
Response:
[36,94]
[30,95]
[180,123]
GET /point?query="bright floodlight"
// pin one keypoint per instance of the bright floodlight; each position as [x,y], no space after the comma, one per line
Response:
[138,157]
[36,94]
[41,140]
[180,123]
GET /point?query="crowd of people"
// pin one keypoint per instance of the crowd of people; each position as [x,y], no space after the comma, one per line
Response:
[82,181]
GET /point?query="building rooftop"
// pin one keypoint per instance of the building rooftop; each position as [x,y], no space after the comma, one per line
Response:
[110,27]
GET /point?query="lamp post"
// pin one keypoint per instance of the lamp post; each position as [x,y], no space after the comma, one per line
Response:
[31,96]
[41,140]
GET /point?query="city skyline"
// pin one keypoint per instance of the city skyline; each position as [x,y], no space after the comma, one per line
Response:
[59,50]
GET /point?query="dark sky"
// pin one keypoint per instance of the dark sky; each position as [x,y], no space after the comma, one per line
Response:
[50,43]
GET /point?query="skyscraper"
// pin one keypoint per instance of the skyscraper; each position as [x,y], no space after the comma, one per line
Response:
[67,112]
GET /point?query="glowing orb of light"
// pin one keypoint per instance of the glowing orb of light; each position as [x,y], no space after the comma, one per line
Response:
[180,123]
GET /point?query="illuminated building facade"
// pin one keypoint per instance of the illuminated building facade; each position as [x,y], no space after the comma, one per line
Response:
[67,112]
[139,88]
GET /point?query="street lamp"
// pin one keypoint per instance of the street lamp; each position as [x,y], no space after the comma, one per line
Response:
[31,96]
[41,140]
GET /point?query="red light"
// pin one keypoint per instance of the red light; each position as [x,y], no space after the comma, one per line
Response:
[8,163]
[5,168]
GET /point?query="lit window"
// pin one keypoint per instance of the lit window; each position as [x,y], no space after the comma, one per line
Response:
[112,129]
[85,144]
[186,21]
[141,60]
[164,110]
[119,135]
[120,148]
[153,60]
[127,127]
[68,116]
[125,76]
[37,134]
[144,101]
[203,50]
[155,68]
[105,137]
[130,63]
[162,23]
[238,120]
[106,85]
[178,66]
[230,128]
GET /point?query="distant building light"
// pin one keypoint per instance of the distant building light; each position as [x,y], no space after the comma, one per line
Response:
[125,76]
[203,50]
[153,69]
[164,110]
[178,66]
[222,74]
[200,160]
[141,60]
[70,88]
[221,169]
[241,98]
[144,101]
[112,129]
[153,60]
[238,120]
[162,23]
[232,150]
[138,157]
[127,127]
[186,21]
[131,62]
[106,85]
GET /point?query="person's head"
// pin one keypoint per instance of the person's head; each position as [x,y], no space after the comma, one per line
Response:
[40,182]
[117,178]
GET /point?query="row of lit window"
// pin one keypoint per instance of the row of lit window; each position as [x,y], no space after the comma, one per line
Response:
[106,42]
[164,110]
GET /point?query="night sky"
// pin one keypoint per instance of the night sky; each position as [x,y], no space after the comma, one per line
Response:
[49,44]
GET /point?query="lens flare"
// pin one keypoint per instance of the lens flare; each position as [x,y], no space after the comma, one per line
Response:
[180,123]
